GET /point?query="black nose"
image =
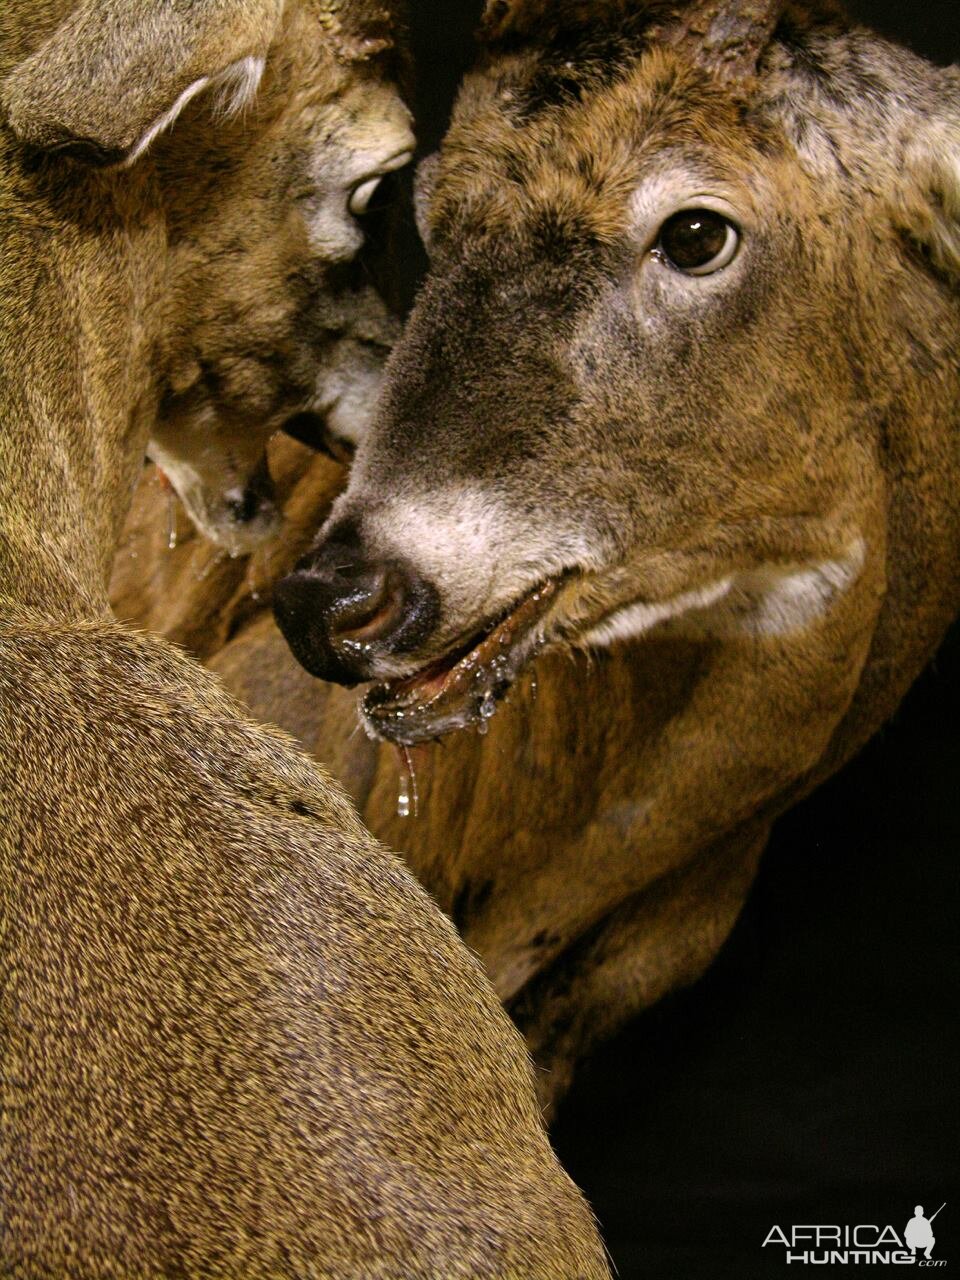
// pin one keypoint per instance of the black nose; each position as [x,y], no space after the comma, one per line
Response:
[340,611]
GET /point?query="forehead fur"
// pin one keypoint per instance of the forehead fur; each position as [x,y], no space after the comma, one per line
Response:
[507,22]
[572,162]
[561,121]
[339,39]
[357,30]
[324,52]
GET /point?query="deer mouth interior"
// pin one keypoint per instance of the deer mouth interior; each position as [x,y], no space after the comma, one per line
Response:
[464,686]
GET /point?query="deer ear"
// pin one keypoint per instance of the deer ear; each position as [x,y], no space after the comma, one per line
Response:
[928,194]
[116,73]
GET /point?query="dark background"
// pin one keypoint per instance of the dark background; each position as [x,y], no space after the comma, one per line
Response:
[812,1076]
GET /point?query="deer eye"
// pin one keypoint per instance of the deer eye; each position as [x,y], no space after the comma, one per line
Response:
[698,241]
[362,194]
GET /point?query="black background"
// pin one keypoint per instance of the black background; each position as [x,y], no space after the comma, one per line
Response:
[812,1076]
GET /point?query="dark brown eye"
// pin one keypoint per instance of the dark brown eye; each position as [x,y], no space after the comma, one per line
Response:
[698,241]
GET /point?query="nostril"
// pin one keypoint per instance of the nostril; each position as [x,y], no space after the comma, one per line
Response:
[341,614]
[375,610]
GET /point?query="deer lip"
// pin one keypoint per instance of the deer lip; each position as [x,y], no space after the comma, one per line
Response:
[463,687]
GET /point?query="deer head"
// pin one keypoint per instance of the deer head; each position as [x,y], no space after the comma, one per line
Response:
[692,270]
[265,128]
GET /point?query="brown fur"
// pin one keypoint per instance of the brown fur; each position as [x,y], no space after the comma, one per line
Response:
[237,1038]
[801,411]
[569,739]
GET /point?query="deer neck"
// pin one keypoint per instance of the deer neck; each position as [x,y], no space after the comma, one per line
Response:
[81,275]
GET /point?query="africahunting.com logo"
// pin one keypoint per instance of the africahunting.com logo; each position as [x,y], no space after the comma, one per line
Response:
[863,1245]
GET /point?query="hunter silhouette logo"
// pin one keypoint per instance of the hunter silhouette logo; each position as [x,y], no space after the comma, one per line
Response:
[863,1244]
[919,1232]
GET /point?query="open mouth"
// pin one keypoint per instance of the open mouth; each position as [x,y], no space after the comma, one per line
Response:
[464,686]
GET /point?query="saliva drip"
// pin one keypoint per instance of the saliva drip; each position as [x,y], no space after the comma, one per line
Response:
[408,800]
[171,520]
[213,563]
[487,710]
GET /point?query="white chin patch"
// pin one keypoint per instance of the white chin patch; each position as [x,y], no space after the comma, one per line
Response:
[776,600]
[637,619]
[772,600]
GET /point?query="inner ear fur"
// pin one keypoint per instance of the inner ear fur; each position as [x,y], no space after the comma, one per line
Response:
[116,73]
